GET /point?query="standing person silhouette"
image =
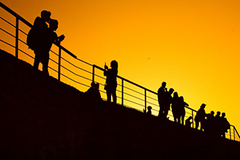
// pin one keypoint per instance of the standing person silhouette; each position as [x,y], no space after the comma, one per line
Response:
[168,101]
[50,38]
[200,117]
[161,99]
[182,112]
[175,107]
[40,22]
[225,125]
[39,33]
[209,123]
[217,124]
[111,81]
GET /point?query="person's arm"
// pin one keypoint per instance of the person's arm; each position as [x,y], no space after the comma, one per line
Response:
[105,70]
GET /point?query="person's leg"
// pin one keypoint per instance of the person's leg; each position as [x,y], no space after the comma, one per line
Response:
[114,96]
[45,63]
[108,96]
[36,60]
[197,123]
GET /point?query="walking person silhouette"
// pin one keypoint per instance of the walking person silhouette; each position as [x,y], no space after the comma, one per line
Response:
[111,81]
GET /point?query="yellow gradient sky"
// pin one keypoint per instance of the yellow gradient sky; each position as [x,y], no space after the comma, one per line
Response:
[193,45]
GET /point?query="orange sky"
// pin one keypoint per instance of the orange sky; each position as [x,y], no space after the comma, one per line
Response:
[192,45]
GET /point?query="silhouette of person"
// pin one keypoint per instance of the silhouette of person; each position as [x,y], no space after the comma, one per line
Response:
[50,37]
[168,101]
[149,110]
[161,99]
[111,81]
[188,122]
[200,117]
[217,124]
[224,125]
[93,92]
[39,31]
[182,112]
[175,107]
[209,123]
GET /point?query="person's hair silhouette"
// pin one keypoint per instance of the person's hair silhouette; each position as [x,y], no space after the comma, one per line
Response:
[111,81]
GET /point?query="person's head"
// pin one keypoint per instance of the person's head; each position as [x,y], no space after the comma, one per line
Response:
[218,113]
[95,85]
[164,84]
[203,106]
[53,24]
[114,64]
[175,94]
[149,108]
[223,114]
[171,90]
[45,15]
[181,98]
[212,113]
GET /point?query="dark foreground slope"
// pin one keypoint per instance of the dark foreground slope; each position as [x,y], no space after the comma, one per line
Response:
[44,119]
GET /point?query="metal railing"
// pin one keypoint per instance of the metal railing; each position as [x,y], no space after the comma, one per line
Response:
[80,73]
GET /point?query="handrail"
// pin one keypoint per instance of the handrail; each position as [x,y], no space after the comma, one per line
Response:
[61,48]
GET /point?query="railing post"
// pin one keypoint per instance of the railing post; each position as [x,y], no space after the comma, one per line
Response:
[192,120]
[93,73]
[122,91]
[17,37]
[145,97]
[59,63]
[234,134]
[230,136]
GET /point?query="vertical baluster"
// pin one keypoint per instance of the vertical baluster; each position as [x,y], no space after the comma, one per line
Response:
[192,120]
[234,134]
[230,137]
[145,95]
[59,63]
[17,37]
[122,91]
[93,73]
